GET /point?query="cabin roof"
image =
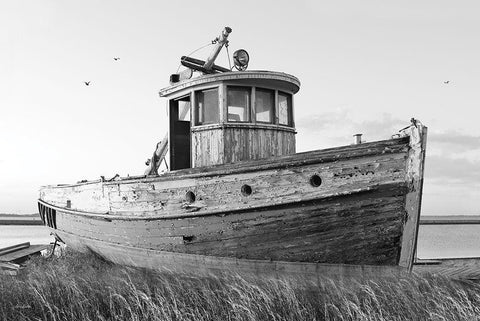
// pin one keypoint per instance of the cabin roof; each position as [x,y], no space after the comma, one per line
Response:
[277,79]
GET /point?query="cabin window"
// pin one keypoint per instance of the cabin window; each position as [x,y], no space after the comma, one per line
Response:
[238,104]
[264,105]
[285,109]
[184,109]
[207,107]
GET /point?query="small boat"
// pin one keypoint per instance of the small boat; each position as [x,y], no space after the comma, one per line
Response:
[237,196]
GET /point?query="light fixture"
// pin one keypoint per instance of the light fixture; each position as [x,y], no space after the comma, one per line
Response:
[241,59]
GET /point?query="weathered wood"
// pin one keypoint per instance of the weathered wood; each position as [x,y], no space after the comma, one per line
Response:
[13,248]
[221,41]
[158,156]
[204,264]
[23,253]
[414,177]
[455,268]
[220,193]
[317,231]
[249,202]
[391,146]
[269,79]
[360,201]
[9,265]
[230,143]
[8,268]
[355,215]
[208,147]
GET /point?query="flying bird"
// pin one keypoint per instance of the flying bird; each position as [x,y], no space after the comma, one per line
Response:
[446,82]
[116,58]
[87,83]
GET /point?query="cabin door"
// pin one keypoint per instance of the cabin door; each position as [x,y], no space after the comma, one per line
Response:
[180,116]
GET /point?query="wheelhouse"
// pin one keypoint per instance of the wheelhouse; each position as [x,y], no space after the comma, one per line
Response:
[229,117]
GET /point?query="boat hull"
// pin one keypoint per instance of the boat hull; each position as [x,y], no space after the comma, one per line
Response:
[349,206]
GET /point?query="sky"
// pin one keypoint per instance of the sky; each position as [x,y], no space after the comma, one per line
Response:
[364,66]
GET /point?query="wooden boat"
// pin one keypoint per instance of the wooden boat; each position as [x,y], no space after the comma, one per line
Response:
[238,197]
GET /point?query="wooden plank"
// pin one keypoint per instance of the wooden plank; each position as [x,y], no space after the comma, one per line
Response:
[9,266]
[284,218]
[391,146]
[208,147]
[415,164]
[220,194]
[362,229]
[14,248]
[202,264]
[426,261]
[88,197]
[24,252]
[455,268]
[250,143]
[280,80]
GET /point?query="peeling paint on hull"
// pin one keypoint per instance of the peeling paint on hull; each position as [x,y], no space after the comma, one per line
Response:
[339,208]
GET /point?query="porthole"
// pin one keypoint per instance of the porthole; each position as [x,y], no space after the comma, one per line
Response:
[246,190]
[315,180]
[190,197]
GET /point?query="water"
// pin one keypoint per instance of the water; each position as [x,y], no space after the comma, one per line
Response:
[448,241]
[434,241]
[15,234]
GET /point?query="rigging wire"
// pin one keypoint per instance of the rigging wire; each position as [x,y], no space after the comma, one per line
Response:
[228,56]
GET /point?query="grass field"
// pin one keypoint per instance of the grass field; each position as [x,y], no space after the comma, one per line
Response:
[84,287]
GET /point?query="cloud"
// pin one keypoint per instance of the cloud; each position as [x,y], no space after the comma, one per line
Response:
[454,142]
[451,156]
[319,122]
[344,123]
[382,127]
[449,170]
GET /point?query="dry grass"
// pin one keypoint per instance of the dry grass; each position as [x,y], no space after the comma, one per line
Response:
[84,287]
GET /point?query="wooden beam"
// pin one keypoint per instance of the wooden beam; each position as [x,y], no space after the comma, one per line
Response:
[14,248]
[414,177]
[23,253]
[221,41]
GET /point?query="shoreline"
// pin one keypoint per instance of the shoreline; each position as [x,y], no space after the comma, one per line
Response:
[21,222]
[12,219]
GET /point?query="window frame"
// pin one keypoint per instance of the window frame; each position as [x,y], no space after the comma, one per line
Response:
[273,109]
[196,108]
[248,113]
[182,98]
[289,108]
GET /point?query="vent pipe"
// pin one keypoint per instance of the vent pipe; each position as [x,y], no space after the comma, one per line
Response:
[357,139]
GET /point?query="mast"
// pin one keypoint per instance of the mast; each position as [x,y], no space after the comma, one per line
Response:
[221,40]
